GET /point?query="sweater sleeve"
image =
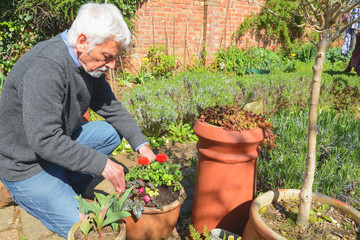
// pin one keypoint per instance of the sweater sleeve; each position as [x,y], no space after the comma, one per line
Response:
[42,96]
[106,105]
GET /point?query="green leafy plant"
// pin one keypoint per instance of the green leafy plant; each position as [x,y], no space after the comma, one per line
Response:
[53,15]
[233,118]
[197,61]
[159,62]
[24,23]
[334,55]
[147,178]
[181,133]
[306,53]
[105,210]
[17,35]
[195,235]
[123,147]
[143,76]
[157,141]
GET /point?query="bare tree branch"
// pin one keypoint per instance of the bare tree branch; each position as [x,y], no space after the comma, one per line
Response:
[342,29]
[346,9]
[310,39]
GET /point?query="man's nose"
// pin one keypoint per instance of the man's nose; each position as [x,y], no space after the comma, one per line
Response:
[110,64]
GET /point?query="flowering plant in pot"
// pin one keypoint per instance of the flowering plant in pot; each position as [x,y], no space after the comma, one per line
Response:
[157,193]
[96,215]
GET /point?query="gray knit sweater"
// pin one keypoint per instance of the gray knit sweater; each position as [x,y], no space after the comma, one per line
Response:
[41,105]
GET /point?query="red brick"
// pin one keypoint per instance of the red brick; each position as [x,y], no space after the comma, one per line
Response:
[184,18]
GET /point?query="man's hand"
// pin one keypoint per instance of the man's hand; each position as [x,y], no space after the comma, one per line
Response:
[115,174]
[145,151]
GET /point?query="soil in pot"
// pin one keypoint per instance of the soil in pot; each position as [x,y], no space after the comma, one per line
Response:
[106,234]
[325,221]
[165,197]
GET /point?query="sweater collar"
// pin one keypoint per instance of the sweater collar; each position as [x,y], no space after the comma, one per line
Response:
[70,49]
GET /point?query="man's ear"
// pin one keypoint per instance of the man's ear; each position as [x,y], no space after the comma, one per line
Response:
[81,43]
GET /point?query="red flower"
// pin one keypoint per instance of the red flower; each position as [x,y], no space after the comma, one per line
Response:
[143,161]
[161,158]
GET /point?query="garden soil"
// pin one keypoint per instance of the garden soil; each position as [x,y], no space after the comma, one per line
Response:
[325,222]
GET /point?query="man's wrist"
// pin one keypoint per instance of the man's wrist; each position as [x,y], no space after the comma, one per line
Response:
[141,145]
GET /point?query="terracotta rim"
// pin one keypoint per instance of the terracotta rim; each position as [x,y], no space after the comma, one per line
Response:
[220,131]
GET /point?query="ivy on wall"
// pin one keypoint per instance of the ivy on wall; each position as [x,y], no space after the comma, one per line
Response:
[26,22]
[17,35]
[266,26]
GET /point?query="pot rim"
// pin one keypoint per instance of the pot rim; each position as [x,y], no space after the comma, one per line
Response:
[267,198]
[219,134]
[222,128]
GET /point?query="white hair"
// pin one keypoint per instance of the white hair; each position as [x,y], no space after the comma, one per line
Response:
[99,22]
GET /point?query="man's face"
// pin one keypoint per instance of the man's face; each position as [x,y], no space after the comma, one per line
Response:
[100,58]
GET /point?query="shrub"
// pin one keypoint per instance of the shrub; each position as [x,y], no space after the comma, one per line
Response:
[334,55]
[159,63]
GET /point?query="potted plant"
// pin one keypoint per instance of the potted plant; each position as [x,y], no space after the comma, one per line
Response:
[326,18]
[155,200]
[228,146]
[102,212]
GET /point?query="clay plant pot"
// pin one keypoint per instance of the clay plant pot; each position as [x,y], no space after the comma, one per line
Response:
[225,178]
[256,228]
[5,196]
[154,224]
[86,116]
[121,236]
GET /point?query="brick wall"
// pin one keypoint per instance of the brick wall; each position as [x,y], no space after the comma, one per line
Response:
[184,26]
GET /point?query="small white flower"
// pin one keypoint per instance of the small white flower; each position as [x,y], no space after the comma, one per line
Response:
[222,65]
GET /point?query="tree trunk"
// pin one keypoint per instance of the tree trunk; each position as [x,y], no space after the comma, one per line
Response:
[306,190]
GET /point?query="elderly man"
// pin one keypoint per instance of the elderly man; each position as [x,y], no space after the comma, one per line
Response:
[47,154]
